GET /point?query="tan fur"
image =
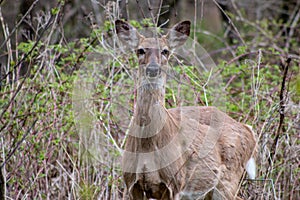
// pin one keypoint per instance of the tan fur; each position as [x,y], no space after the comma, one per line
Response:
[185,152]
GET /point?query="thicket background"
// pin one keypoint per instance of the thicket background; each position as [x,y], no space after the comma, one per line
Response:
[49,150]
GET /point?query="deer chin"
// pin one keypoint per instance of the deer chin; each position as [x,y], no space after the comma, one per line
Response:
[150,84]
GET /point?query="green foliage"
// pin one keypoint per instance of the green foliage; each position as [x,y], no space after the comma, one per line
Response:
[88,192]
[135,24]
[147,22]
[54,11]
[241,50]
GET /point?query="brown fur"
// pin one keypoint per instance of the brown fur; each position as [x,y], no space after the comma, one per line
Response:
[187,152]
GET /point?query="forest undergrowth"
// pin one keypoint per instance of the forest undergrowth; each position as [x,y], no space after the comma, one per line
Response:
[66,104]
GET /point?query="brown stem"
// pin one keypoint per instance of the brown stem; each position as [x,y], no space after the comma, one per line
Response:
[282,97]
[282,102]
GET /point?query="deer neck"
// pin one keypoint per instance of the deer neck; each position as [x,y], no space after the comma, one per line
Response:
[150,105]
[153,126]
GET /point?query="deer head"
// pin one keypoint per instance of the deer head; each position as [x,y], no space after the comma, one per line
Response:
[153,53]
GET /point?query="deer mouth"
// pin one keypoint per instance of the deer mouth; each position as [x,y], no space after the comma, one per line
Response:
[151,85]
[152,79]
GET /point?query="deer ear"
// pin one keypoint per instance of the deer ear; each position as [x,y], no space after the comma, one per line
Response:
[178,34]
[127,34]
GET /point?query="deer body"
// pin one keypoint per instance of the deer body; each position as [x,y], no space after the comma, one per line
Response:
[184,152]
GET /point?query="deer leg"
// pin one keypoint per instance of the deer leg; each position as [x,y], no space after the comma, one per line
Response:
[136,192]
[159,191]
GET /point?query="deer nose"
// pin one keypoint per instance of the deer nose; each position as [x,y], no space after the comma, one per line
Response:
[153,70]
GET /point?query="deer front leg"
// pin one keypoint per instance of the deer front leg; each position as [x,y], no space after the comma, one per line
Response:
[136,192]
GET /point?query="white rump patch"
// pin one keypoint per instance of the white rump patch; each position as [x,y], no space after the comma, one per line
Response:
[251,168]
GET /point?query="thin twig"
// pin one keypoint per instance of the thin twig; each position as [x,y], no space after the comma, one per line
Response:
[292,28]
[49,23]
[140,8]
[18,24]
[230,21]
[31,50]
[241,56]
[18,143]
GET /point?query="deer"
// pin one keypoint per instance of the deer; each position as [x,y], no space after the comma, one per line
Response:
[186,152]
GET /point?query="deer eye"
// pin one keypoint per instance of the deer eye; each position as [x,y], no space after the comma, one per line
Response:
[165,52]
[140,52]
